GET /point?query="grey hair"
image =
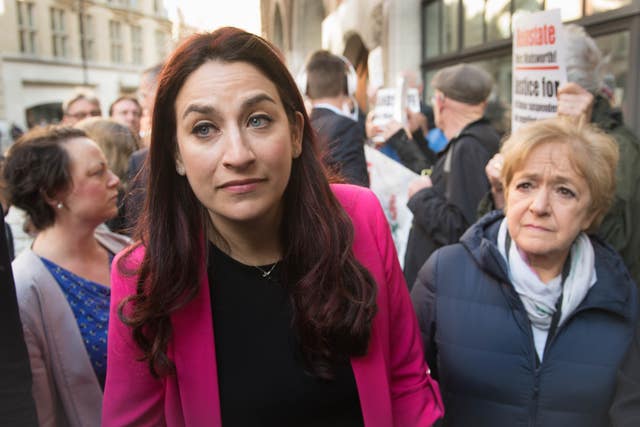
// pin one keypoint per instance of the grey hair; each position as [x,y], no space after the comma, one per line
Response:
[585,62]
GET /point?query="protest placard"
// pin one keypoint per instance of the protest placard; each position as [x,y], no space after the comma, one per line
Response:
[389,181]
[392,104]
[539,66]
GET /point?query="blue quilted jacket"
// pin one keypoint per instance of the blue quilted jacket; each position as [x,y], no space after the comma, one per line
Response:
[479,343]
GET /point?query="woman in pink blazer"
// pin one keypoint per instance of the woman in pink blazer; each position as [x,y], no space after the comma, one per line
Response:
[259,294]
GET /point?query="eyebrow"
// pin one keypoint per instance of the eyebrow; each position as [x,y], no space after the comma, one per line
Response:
[208,109]
[556,179]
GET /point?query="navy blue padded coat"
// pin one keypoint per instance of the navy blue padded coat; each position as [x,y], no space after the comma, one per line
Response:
[479,343]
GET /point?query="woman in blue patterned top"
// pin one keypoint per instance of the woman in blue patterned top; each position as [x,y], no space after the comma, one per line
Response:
[61,179]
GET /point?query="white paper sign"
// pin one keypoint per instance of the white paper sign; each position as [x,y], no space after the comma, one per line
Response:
[539,66]
[385,109]
[390,105]
[389,181]
[413,99]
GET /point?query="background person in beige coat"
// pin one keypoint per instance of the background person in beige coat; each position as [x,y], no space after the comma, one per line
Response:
[61,179]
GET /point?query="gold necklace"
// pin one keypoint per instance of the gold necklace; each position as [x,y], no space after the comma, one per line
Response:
[266,273]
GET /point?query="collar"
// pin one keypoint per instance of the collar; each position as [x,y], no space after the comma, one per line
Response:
[332,108]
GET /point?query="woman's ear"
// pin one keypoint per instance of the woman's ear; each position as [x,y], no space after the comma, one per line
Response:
[297,130]
[55,201]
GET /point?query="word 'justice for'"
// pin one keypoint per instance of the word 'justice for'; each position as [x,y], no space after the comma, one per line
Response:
[538,66]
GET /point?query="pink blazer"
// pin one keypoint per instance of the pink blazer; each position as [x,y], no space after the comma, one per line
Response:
[392,378]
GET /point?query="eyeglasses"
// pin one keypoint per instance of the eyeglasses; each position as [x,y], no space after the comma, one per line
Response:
[84,114]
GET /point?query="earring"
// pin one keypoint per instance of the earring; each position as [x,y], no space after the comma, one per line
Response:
[59,205]
[180,169]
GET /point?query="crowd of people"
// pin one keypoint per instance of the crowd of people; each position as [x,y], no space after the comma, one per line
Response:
[210,254]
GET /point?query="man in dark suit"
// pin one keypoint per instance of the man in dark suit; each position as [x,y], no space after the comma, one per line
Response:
[341,136]
[136,176]
[16,403]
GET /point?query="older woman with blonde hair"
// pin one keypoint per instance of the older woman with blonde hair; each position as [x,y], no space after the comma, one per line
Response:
[527,318]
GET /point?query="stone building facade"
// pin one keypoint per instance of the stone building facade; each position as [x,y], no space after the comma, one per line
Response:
[52,47]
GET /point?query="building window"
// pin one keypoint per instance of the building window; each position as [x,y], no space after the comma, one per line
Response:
[121,3]
[473,22]
[161,44]
[440,19]
[26,27]
[597,6]
[136,44]
[431,33]
[58,33]
[497,17]
[569,9]
[450,26]
[158,8]
[454,25]
[87,37]
[524,6]
[616,47]
[115,35]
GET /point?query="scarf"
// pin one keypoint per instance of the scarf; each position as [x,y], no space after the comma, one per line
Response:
[540,299]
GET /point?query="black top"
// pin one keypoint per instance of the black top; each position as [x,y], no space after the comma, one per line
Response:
[261,375]
[443,212]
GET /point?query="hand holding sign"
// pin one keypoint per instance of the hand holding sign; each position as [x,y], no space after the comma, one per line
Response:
[575,101]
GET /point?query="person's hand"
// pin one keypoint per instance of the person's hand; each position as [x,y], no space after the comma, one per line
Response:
[371,128]
[574,101]
[418,184]
[493,171]
[417,121]
[391,128]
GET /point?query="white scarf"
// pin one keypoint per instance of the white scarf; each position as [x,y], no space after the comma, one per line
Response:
[540,299]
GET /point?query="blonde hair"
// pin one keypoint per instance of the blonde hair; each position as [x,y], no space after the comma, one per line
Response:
[594,156]
[116,141]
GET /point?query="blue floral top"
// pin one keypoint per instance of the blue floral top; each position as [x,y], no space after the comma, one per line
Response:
[89,302]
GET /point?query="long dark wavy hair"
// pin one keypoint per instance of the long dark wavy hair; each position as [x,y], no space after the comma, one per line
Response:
[333,296]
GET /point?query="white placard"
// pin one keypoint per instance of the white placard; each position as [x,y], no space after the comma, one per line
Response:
[539,66]
[389,181]
[391,105]
[385,109]
[413,99]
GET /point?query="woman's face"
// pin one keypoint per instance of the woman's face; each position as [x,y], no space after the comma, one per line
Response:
[235,142]
[547,204]
[94,194]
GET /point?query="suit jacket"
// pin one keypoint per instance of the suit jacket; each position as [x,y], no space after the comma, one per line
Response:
[137,178]
[65,386]
[392,380]
[342,144]
[16,403]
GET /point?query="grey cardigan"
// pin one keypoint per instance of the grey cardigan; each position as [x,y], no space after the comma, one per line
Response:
[65,387]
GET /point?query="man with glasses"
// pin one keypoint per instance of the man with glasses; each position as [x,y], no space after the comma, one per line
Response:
[80,106]
[444,204]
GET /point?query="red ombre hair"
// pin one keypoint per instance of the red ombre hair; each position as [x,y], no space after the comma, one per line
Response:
[333,296]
